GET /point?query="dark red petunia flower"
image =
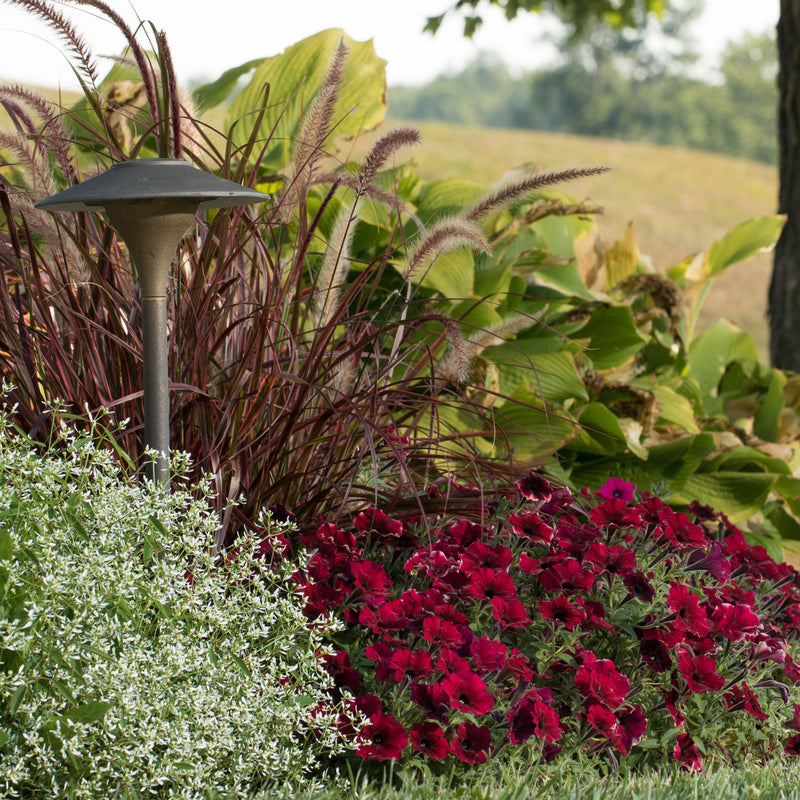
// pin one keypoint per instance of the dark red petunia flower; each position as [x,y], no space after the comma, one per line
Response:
[468,693]
[734,622]
[607,725]
[595,615]
[432,699]
[339,667]
[672,702]
[691,617]
[428,738]
[617,488]
[373,520]
[411,664]
[711,560]
[450,661]
[612,512]
[462,533]
[486,583]
[368,704]
[655,653]
[601,680]
[742,697]
[441,632]
[384,738]
[633,722]
[792,746]
[372,579]
[510,613]
[472,743]
[529,525]
[532,717]
[487,654]
[680,532]
[639,586]
[562,612]
[613,559]
[686,753]
[795,722]
[479,554]
[566,575]
[535,488]
[700,673]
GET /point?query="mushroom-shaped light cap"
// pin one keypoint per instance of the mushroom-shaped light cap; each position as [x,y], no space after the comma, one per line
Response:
[152,179]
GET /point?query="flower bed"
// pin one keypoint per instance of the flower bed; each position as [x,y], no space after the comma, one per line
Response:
[598,626]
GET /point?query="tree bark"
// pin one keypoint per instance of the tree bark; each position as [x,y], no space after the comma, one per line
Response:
[784,290]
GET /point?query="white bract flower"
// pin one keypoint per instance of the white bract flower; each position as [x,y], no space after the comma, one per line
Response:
[131,658]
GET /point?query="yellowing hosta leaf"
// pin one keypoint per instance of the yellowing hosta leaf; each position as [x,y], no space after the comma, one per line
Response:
[623,258]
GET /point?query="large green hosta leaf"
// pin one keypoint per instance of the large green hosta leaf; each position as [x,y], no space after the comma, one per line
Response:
[295,76]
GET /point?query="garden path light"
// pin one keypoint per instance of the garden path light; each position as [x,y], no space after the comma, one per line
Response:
[151,203]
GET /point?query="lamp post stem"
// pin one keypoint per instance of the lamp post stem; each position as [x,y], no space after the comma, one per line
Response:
[156,386]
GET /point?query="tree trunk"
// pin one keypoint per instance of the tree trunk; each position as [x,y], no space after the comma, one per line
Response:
[784,290]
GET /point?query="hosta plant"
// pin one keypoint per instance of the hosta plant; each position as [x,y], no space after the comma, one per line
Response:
[132,661]
[604,628]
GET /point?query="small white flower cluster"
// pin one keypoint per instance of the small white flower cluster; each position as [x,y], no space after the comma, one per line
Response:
[133,660]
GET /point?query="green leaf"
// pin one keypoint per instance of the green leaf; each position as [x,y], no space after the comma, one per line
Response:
[450,274]
[738,495]
[746,240]
[214,94]
[90,712]
[712,351]
[564,280]
[675,408]
[441,198]
[767,420]
[296,76]
[552,376]
[531,430]
[6,545]
[599,432]
[613,337]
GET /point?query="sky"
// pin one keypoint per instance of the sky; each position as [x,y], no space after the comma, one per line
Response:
[230,32]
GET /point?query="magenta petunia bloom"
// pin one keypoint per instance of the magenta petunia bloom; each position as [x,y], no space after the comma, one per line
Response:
[468,693]
[510,613]
[384,738]
[617,489]
[533,718]
[472,743]
[429,739]
[562,612]
[373,520]
[686,753]
[700,673]
[602,681]
[633,722]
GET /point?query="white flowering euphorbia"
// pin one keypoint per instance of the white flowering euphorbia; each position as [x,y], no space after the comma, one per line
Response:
[130,657]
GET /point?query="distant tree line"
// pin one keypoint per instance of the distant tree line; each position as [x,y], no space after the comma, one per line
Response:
[621,90]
